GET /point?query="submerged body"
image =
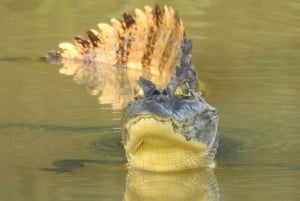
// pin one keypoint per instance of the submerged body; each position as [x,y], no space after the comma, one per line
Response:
[166,128]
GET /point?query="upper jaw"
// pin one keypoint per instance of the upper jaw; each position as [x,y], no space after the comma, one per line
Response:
[148,107]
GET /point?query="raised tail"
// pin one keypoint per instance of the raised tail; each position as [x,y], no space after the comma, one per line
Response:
[149,40]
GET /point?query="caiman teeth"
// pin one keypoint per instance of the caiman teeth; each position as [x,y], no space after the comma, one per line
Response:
[169,123]
[141,127]
[176,124]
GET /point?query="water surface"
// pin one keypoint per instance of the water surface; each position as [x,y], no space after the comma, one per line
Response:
[58,143]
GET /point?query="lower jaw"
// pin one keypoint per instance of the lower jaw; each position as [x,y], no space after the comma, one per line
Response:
[154,146]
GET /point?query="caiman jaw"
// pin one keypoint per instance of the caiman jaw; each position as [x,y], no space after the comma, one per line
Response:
[152,144]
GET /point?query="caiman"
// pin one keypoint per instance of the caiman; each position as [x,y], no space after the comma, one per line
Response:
[168,126]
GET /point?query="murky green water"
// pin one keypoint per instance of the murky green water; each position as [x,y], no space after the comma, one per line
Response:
[58,143]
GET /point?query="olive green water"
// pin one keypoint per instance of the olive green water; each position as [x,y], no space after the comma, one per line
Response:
[58,143]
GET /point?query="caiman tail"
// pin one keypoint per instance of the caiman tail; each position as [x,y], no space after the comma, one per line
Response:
[148,40]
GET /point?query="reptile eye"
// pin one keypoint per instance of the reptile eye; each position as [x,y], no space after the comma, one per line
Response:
[138,92]
[183,90]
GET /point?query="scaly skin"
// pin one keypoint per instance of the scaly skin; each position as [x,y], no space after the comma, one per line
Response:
[147,40]
[172,128]
[168,126]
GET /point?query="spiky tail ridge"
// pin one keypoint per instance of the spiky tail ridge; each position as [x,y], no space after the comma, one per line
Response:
[149,40]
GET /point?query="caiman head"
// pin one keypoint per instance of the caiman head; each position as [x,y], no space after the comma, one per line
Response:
[171,128]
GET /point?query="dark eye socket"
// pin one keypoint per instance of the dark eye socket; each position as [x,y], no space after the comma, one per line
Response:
[183,90]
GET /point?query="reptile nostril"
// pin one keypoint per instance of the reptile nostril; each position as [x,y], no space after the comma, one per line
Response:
[156,92]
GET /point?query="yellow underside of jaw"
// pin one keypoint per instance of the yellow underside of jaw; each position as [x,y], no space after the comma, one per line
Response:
[153,145]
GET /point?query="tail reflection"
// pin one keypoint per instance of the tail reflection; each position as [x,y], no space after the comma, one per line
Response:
[193,185]
[113,85]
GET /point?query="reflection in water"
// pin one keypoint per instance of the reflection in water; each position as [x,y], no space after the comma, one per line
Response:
[189,185]
[114,85]
[193,185]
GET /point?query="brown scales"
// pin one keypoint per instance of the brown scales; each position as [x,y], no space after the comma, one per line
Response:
[125,36]
[95,38]
[148,40]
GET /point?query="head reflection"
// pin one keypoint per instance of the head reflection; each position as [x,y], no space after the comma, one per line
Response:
[192,185]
